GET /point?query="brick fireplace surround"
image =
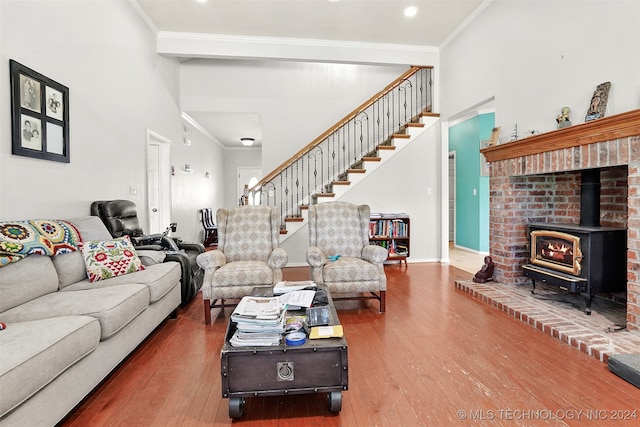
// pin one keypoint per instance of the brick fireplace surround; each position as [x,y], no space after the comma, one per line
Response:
[537,179]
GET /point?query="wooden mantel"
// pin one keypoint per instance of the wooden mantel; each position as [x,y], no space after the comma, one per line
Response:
[605,129]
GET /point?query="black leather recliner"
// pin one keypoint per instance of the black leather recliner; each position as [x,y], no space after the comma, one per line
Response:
[121,218]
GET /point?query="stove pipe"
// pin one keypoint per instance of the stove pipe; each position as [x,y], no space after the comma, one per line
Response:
[590,198]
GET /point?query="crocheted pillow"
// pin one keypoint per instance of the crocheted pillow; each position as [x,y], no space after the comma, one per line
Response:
[110,258]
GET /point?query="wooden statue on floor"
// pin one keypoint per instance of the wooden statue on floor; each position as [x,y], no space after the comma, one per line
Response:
[486,272]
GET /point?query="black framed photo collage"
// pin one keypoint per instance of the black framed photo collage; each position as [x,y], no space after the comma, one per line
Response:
[40,115]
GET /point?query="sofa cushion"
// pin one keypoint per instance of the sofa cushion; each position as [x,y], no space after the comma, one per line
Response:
[40,351]
[159,278]
[110,258]
[113,306]
[70,268]
[91,228]
[27,279]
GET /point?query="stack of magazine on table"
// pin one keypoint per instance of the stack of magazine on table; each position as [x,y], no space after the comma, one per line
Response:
[260,321]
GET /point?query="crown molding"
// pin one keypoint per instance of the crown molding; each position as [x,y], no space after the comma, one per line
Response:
[187,118]
[476,12]
[136,6]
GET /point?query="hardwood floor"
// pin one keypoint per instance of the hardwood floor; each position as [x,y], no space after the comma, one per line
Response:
[435,358]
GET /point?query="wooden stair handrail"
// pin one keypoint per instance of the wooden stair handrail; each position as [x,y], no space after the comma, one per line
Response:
[325,134]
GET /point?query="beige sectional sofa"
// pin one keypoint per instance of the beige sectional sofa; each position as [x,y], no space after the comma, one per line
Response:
[64,334]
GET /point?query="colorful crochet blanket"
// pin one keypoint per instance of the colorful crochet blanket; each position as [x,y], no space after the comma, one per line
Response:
[19,239]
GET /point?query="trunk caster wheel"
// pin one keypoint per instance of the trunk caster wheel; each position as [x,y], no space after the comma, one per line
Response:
[335,401]
[236,407]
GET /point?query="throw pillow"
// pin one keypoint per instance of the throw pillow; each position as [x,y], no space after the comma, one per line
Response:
[110,258]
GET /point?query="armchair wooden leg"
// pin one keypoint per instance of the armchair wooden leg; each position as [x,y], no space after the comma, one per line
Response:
[383,302]
[207,312]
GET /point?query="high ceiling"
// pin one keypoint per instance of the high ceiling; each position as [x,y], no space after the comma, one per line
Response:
[363,21]
[375,21]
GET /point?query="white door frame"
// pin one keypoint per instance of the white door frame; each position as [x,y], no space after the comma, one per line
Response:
[158,183]
[452,188]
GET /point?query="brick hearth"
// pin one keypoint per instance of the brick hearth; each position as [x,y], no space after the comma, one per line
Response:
[537,179]
[561,315]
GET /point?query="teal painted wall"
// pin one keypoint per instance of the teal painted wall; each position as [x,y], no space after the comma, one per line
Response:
[472,190]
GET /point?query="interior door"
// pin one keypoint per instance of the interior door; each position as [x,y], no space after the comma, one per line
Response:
[158,182]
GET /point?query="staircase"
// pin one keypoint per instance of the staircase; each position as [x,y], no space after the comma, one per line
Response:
[363,169]
[349,151]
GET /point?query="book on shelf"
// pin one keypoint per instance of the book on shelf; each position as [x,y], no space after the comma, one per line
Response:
[388,228]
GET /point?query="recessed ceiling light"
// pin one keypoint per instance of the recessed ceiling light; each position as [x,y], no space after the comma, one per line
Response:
[410,11]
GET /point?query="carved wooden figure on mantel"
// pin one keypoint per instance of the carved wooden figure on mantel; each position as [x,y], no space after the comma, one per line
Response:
[494,139]
[599,101]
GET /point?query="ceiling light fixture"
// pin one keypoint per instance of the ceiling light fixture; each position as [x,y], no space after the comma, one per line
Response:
[410,11]
[247,142]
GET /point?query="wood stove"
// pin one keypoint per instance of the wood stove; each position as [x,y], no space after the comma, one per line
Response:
[586,258]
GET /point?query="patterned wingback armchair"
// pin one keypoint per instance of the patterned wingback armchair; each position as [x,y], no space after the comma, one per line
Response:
[341,228]
[247,256]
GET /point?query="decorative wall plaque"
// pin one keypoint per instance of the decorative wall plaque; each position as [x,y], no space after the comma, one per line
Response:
[598,104]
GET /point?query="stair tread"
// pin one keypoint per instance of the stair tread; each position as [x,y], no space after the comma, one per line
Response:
[324,195]
[293,219]
[341,183]
[356,170]
[371,159]
[386,147]
[401,135]
[415,125]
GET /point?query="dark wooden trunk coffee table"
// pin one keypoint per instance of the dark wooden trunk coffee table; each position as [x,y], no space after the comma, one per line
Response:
[317,366]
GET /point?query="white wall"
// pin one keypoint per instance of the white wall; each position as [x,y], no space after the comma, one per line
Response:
[234,159]
[296,101]
[536,57]
[193,191]
[118,89]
